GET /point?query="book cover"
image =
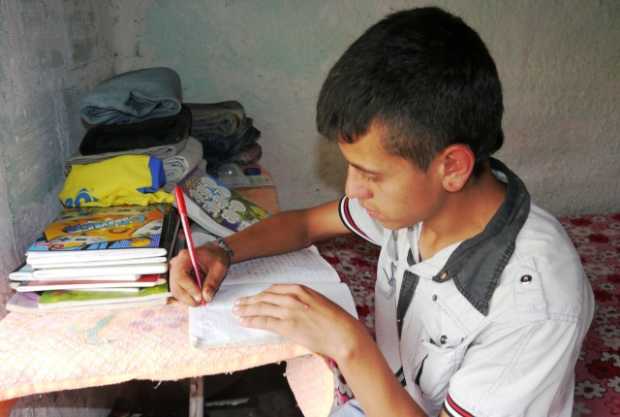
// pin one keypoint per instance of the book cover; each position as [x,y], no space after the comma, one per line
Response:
[105,289]
[56,264]
[58,298]
[111,271]
[217,209]
[28,302]
[93,285]
[200,236]
[23,273]
[89,233]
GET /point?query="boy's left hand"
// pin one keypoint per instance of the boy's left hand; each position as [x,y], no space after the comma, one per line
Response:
[302,315]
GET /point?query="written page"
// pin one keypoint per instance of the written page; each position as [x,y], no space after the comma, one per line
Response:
[302,266]
[215,325]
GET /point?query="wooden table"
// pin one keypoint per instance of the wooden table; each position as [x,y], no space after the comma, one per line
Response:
[104,352]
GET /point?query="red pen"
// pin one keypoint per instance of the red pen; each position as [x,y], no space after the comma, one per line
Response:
[188,233]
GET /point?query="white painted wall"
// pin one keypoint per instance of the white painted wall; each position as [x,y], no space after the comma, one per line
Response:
[558,60]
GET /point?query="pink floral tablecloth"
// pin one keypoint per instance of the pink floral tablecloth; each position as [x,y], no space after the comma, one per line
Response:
[597,239]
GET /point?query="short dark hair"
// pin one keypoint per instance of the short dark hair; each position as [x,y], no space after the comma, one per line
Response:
[426,77]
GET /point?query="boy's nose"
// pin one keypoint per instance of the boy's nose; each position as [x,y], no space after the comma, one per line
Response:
[355,186]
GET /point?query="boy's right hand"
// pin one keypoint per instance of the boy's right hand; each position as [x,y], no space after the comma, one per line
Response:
[213,262]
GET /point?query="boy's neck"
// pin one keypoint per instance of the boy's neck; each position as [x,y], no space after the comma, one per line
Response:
[464,214]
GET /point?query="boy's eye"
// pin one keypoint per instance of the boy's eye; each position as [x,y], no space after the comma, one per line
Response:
[370,177]
[364,175]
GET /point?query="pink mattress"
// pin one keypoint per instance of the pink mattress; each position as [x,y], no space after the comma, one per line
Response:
[63,350]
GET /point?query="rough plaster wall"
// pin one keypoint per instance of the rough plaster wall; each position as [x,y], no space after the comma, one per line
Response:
[558,60]
[51,52]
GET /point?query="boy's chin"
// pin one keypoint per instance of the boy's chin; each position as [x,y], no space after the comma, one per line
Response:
[393,225]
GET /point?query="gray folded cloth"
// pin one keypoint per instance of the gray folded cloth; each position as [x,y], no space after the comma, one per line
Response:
[224,118]
[133,97]
[200,167]
[160,152]
[178,166]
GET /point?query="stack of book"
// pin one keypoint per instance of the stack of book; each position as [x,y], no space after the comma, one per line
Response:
[111,257]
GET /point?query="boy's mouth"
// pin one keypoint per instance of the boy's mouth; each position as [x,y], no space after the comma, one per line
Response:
[373,213]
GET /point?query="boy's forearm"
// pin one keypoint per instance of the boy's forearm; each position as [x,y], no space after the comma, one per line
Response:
[287,231]
[280,233]
[368,375]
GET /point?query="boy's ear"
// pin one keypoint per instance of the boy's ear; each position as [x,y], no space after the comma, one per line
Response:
[456,166]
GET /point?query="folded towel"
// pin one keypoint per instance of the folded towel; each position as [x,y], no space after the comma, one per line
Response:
[224,118]
[178,166]
[133,97]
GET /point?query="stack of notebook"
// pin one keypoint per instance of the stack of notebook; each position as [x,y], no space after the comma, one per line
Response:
[98,257]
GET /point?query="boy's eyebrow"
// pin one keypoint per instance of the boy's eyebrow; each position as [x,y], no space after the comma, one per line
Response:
[366,170]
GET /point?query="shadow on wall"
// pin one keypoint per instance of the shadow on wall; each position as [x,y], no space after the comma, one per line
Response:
[330,166]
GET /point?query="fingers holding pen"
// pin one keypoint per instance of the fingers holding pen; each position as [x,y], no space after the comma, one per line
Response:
[182,282]
[212,281]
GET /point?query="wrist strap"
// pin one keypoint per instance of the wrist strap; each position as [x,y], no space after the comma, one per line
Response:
[220,242]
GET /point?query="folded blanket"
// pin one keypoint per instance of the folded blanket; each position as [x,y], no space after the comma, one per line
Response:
[221,149]
[178,166]
[224,118]
[227,135]
[159,152]
[133,97]
[145,134]
[248,155]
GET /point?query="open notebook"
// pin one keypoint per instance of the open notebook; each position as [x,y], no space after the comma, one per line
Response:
[215,325]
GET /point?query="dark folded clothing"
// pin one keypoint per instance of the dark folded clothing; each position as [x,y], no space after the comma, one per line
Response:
[225,132]
[225,118]
[220,149]
[146,134]
[227,145]
[133,97]
[248,155]
[206,130]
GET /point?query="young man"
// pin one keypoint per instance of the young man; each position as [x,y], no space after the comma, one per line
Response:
[481,301]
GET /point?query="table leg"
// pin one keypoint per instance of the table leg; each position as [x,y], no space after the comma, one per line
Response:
[196,397]
[6,406]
